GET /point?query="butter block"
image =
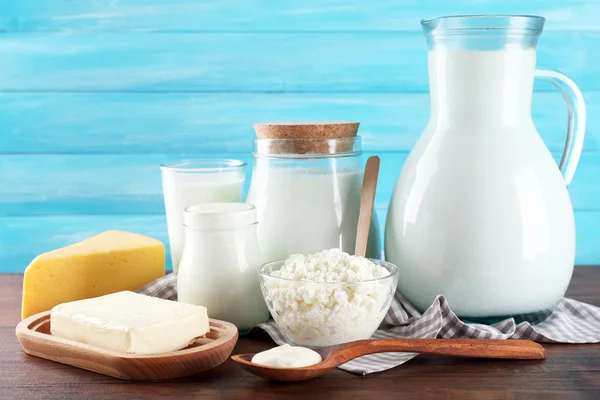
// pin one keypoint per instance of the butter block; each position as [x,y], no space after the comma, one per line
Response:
[110,262]
[129,322]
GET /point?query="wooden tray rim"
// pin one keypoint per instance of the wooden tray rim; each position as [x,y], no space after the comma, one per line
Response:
[26,328]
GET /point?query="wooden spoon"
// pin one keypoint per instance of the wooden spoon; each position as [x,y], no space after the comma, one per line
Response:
[334,356]
[367,198]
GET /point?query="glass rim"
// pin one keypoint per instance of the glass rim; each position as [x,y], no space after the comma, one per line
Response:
[395,271]
[290,148]
[457,24]
[311,140]
[204,165]
[206,218]
[213,229]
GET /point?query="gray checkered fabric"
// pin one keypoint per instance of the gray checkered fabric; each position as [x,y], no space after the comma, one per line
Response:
[571,322]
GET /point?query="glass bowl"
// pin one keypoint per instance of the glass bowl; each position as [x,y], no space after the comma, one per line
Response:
[316,314]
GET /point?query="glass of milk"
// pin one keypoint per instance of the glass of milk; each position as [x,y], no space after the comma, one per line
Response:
[189,182]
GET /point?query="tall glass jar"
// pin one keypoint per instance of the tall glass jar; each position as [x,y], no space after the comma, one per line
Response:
[219,264]
[307,196]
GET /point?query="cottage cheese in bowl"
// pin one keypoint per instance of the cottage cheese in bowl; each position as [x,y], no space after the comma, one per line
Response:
[329,297]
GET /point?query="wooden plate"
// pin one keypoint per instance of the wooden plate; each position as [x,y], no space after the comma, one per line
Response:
[204,354]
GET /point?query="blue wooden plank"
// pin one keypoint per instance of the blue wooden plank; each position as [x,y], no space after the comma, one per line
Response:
[131,184]
[222,122]
[256,62]
[264,15]
[80,184]
[109,184]
[23,238]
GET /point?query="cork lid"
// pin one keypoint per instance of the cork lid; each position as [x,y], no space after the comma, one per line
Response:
[306,130]
[308,137]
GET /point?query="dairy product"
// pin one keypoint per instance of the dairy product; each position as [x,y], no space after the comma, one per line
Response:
[128,322]
[184,185]
[109,262]
[480,211]
[219,265]
[287,356]
[303,210]
[331,265]
[329,297]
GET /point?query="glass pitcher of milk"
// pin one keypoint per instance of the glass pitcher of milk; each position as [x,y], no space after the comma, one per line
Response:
[480,212]
[307,196]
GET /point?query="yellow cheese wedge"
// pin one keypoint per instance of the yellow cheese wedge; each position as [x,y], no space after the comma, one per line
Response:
[110,262]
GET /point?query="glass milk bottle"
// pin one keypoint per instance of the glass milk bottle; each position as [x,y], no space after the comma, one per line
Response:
[480,212]
[190,182]
[219,264]
[307,194]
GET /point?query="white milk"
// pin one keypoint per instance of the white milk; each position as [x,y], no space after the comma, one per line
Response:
[481,213]
[182,190]
[306,210]
[473,90]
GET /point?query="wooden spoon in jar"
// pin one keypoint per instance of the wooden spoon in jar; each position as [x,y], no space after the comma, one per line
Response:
[334,356]
[367,198]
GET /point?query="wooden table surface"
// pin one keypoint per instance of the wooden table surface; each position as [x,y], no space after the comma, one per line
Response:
[569,371]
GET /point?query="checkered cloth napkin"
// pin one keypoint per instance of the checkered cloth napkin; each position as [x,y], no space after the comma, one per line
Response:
[571,322]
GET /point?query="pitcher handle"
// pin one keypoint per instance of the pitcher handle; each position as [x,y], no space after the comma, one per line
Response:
[576,125]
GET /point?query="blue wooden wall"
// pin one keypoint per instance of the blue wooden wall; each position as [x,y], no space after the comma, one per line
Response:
[95,94]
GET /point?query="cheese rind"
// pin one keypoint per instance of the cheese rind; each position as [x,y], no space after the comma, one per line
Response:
[129,322]
[110,262]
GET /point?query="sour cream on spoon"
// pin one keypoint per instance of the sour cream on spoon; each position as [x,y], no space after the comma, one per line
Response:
[287,356]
